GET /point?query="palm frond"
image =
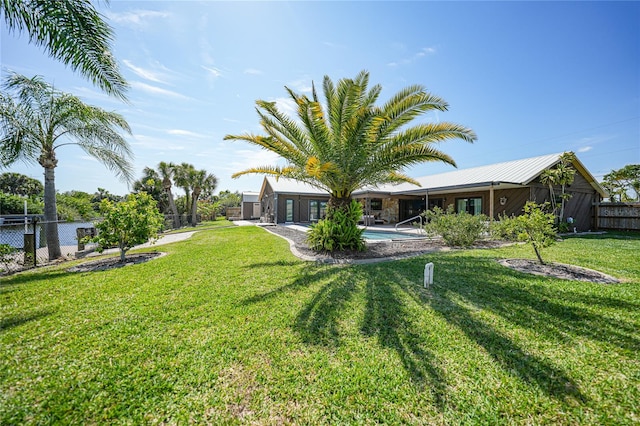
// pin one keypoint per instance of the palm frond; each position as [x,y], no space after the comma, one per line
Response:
[71,31]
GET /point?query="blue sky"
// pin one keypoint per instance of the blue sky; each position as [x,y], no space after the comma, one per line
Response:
[531,78]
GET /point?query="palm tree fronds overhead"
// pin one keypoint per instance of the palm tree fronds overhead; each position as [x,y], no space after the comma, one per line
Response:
[349,141]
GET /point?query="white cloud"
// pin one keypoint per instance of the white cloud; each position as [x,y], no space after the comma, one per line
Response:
[425,51]
[585,149]
[248,158]
[213,72]
[187,133]
[155,144]
[147,74]
[137,19]
[301,85]
[287,106]
[157,90]
[252,71]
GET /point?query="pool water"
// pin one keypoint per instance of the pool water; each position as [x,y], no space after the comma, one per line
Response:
[389,235]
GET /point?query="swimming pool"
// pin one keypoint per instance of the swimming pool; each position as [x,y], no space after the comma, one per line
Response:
[376,235]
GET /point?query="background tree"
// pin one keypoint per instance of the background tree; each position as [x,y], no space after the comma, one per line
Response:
[103,194]
[74,205]
[200,181]
[151,183]
[621,182]
[183,177]
[167,173]
[71,31]
[14,204]
[562,174]
[36,120]
[128,223]
[19,184]
[226,199]
[349,142]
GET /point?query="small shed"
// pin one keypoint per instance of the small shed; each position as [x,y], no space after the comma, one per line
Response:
[250,206]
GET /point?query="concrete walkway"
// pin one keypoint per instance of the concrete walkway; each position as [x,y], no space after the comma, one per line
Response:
[166,239]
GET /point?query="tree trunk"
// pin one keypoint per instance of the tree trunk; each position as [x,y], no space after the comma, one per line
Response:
[337,203]
[194,207]
[535,248]
[174,210]
[50,210]
[166,183]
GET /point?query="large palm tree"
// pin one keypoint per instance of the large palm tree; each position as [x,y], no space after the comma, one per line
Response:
[166,171]
[151,183]
[350,142]
[200,181]
[36,120]
[182,177]
[71,31]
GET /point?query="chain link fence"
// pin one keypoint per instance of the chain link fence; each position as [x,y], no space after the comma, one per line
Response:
[23,241]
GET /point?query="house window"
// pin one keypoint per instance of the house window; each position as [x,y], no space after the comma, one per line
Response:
[376,204]
[470,205]
[317,210]
[288,210]
[436,202]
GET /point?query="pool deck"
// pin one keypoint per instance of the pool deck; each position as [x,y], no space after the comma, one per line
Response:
[413,231]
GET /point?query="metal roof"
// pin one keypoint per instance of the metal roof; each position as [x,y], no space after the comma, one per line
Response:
[506,174]
[518,172]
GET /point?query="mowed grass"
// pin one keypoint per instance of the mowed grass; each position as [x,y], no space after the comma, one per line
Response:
[230,328]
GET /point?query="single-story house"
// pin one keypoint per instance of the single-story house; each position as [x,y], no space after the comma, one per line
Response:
[494,190]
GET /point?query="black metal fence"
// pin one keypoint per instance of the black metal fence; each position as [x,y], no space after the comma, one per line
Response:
[23,241]
[182,220]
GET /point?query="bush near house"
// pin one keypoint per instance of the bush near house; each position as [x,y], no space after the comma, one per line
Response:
[456,229]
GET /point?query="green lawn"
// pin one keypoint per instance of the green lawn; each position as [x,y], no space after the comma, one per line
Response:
[230,328]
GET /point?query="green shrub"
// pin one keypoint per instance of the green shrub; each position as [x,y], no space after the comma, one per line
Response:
[535,226]
[128,223]
[456,229]
[339,231]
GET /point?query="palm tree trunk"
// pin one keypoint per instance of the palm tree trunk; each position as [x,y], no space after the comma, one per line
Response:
[174,209]
[194,207]
[51,214]
[337,203]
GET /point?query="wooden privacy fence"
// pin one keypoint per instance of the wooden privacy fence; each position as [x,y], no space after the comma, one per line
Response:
[620,216]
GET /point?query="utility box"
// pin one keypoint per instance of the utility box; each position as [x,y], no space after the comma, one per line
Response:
[29,250]
[82,233]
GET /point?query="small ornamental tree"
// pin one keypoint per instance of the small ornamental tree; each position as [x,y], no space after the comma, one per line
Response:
[535,226]
[128,223]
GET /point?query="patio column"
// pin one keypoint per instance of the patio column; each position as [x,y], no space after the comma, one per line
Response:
[491,205]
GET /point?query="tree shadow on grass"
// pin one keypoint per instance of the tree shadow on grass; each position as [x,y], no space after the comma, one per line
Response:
[477,296]
[17,320]
[9,283]
[387,319]
[467,285]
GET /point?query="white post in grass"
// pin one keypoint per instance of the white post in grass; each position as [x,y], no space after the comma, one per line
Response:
[428,274]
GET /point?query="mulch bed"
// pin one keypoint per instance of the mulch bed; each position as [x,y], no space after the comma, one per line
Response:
[407,248]
[114,262]
[558,270]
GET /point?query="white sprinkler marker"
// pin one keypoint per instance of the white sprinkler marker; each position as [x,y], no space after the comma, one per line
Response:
[428,274]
